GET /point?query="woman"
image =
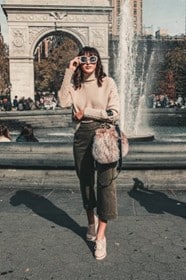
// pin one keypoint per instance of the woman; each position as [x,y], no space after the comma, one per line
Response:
[94,99]
[27,135]
[4,134]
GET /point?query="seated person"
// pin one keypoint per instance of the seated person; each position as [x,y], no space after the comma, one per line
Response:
[4,134]
[27,135]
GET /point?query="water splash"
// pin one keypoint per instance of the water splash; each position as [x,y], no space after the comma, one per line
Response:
[126,69]
[131,85]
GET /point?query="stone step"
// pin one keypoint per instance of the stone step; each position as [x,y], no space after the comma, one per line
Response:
[41,120]
[67,179]
[134,148]
[60,156]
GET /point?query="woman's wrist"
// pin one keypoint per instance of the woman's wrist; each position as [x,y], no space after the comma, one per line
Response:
[79,115]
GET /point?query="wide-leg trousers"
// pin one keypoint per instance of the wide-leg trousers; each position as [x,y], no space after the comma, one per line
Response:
[105,198]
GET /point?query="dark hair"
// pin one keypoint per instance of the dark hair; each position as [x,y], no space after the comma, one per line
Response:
[4,131]
[28,134]
[99,73]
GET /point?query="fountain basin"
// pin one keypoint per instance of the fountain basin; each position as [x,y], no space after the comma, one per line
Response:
[51,165]
[141,138]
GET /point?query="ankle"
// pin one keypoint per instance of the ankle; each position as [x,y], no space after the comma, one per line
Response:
[90,216]
[100,237]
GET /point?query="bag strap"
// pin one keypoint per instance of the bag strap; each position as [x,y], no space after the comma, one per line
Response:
[119,167]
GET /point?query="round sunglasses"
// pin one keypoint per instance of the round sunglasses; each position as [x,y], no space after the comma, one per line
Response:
[91,59]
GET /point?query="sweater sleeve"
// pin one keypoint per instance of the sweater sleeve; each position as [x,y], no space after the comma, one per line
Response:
[64,94]
[113,104]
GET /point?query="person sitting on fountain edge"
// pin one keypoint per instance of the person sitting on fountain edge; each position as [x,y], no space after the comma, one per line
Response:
[27,135]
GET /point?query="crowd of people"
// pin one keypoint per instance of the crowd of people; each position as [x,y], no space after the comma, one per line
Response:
[46,101]
[26,134]
[163,101]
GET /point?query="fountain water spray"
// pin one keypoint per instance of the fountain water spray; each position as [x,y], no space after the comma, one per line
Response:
[131,87]
[126,68]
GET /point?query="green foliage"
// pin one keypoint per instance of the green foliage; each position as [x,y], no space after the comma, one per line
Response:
[174,67]
[168,85]
[4,67]
[49,71]
[176,61]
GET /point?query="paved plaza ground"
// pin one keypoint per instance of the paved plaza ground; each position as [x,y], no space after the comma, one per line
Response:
[42,236]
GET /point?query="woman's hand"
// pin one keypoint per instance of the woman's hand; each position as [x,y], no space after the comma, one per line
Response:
[79,115]
[74,63]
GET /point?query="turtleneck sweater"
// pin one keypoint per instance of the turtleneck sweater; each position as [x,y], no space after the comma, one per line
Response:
[90,98]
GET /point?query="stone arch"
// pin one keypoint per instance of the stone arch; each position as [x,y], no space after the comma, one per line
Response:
[42,35]
[29,20]
[43,49]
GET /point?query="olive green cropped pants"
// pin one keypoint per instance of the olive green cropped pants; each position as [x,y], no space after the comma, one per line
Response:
[105,198]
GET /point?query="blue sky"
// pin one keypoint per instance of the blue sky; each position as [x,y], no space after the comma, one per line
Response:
[166,14]
[3,22]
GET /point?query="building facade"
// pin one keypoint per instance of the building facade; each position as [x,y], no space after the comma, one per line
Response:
[136,12]
[1,36]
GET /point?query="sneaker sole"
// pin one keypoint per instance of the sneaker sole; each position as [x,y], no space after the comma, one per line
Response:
[101,258]
[91,238]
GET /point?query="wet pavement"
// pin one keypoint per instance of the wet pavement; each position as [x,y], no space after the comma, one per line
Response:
[42,236]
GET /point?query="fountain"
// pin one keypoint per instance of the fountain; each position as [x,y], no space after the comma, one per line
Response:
[131,88]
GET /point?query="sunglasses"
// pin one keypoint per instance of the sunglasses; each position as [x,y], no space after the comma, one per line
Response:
[92,59]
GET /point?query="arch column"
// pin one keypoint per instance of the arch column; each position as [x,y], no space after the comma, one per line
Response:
[20,63]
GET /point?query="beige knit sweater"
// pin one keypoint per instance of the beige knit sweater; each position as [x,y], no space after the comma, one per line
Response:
[90,98]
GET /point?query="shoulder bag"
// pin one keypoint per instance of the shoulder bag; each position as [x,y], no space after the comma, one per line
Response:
[110,144]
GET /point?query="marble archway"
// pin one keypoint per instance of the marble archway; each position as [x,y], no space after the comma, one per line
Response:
[53,52]
[30,20]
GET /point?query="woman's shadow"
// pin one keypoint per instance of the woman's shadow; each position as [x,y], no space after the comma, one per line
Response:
[155,201]
[47,210]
